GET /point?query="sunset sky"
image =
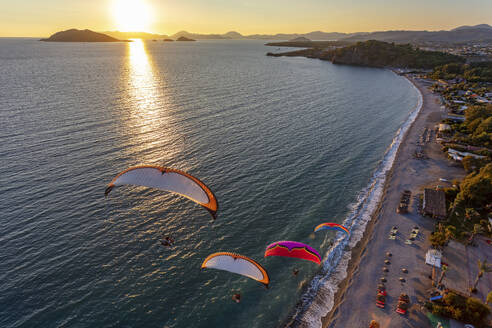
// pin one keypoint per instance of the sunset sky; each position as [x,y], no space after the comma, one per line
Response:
[42,18]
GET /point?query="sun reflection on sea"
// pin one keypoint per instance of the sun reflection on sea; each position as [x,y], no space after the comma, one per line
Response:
[149,120]
[151,137]
[144,87]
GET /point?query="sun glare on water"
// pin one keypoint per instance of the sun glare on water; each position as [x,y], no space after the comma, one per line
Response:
[131,15]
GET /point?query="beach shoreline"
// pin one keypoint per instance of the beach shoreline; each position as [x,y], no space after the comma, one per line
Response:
[374,240]
[359,250]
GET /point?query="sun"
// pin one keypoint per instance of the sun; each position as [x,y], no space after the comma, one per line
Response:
[131,15]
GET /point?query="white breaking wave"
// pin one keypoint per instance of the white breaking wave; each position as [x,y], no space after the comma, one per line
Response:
[318,300]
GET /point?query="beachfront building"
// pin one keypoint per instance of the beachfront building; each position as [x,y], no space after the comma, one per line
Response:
[434,203]
[443,127]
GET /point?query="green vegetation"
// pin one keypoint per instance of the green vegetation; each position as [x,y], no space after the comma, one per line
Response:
[474,72]
[371,53]
[472,164]
[476,130]
[468,310]
[383,54]
[442,235]
[478,126]
[476,190]
[470,207]
[483,267]
[308,44]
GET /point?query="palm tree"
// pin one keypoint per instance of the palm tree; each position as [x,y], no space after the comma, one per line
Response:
[444,268]
[477,229]
[450,232]
[483,267]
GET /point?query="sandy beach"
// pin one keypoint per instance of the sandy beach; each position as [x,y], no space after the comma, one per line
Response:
[355,299]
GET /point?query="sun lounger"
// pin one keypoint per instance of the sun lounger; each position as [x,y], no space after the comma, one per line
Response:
[435,298]
[403,302]
[400,311]
[381,299]
[408,242]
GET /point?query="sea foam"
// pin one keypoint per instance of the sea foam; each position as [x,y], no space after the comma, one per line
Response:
[318,299]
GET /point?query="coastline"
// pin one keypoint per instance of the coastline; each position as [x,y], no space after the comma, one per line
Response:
[359,250]
[367,256]
[327,287]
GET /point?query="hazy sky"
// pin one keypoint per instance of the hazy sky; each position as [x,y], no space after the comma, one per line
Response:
[44,17]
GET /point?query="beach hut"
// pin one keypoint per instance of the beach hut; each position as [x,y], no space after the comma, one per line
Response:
[433,258]
[434,203]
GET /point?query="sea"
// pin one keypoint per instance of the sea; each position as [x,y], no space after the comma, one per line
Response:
[284,143]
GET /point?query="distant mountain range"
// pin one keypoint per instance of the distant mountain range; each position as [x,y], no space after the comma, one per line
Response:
[232,35]
[477,33]
[481,32]
[462,34]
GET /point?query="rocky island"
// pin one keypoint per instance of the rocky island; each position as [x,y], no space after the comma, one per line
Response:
[183,38]
[74,35]
[300,39]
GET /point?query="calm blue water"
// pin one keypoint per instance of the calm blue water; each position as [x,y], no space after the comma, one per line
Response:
[285,143]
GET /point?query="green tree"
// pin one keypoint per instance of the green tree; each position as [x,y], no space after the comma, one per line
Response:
[477,229]
[489,298]
[476,189]
[485,126]
[474,112]
[444,268]
[472,164]
[483,267]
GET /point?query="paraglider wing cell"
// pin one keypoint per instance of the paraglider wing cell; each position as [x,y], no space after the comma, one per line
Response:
[293,249]
[239,264]
[167,179]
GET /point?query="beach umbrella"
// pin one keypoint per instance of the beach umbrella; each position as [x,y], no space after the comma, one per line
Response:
[383,279]
[388,254]
[387,262]
[385,269]
[404,270]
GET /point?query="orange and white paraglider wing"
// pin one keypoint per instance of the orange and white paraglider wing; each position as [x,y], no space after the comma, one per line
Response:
[239,264]
[168,179]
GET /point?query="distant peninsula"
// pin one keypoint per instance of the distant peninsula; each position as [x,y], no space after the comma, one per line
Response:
[74,35]
[374,53]
[183,38]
